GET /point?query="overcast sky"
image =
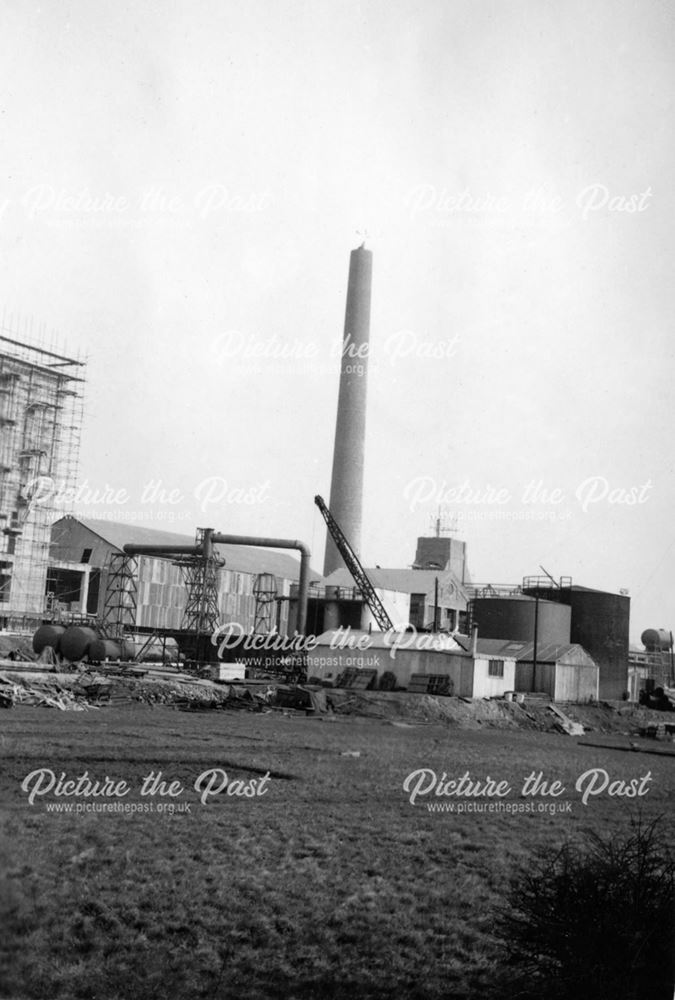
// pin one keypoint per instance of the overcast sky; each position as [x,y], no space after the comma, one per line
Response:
[182,184]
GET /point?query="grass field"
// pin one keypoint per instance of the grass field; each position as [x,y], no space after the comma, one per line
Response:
[329,884]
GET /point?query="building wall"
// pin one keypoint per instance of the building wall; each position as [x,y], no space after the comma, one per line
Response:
[524,677]
[470,679]
[69,540]
[327,664]
[574,682]
[396,604]
[485,686]
[160,593]
[442,552]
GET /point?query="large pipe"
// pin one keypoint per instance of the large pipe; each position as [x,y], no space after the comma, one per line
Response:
[346,488]
[212,538]
[278,543]
[157,550]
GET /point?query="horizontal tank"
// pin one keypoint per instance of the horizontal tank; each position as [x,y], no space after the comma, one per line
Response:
[104,649]
[165,651]
[656,640]
[75,642]
[47,635]
[513,618]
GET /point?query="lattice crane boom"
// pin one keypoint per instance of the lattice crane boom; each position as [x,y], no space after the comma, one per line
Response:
[355,568]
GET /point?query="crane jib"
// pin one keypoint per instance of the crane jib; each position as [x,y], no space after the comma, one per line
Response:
[355,568]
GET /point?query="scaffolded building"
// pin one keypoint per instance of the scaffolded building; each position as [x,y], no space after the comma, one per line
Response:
[41,405]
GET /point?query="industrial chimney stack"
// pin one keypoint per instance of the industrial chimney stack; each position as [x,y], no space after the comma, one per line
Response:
[346,491]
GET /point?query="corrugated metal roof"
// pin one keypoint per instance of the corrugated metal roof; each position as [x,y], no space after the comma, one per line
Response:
[240,558]
[440,642]
[406,581]
[548,653]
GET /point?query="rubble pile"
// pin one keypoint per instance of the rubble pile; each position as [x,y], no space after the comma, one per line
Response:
[177,692]
[45,693]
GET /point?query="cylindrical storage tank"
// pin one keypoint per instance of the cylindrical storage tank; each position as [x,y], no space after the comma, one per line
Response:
[104,649]
[75,642]
[513,618]
[47,635]
[129,648]
[656,639]
[165,651]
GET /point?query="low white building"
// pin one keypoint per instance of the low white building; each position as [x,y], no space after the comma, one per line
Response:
[403,657]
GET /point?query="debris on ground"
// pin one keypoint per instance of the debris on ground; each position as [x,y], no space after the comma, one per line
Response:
[46,693]
[92,688]
[564,724]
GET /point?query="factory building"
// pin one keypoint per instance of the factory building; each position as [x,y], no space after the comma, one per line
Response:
[253,585]
[40,424]
[422,596]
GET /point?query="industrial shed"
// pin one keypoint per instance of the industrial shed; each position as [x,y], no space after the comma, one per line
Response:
[469,676]
[564,671]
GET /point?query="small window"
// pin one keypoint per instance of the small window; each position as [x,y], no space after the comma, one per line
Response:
[495,668]
[86,556]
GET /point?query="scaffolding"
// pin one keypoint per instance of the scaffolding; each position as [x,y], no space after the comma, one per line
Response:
[41,410]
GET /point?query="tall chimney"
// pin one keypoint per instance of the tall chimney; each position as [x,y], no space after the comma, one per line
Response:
[346,490]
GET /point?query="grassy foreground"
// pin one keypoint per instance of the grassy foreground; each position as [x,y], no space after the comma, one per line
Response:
[329,884]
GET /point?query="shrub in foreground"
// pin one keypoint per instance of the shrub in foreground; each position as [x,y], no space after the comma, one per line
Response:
[594,922]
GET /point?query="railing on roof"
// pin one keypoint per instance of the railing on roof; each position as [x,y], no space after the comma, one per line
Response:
[334,593]
[475,590]
[546,583]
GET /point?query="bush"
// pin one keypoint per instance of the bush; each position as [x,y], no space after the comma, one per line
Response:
[595,922]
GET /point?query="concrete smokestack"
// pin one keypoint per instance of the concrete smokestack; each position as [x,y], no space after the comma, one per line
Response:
[346,490]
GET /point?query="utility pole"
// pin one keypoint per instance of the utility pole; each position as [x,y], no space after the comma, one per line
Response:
[536,636]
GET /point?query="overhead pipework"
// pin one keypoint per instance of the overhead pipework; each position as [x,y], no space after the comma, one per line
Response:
[278,543]
[211,538]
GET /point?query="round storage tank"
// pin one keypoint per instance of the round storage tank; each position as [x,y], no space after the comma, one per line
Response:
[513,618]
[104,649]
[47,635]
[165,651]
[75,642]
[656,639]
[129,649]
